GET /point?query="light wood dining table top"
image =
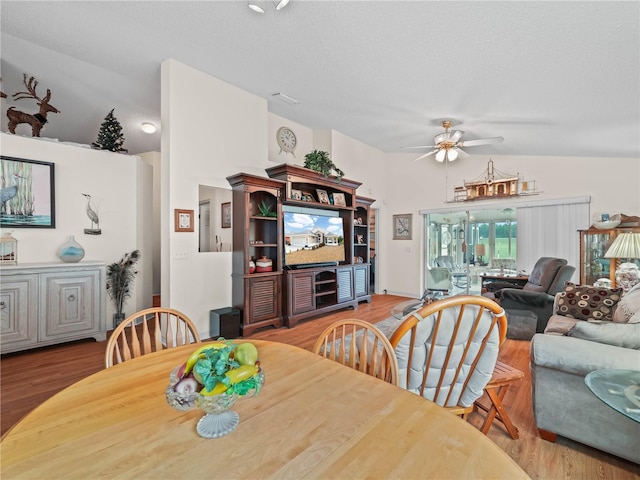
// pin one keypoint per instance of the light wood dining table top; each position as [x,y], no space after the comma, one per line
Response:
[313,418]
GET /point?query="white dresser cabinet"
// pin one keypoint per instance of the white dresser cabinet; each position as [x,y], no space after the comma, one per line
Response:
[44,304]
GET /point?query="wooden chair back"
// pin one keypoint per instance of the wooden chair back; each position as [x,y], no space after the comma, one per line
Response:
[447,350]
[149,331]
[361,346]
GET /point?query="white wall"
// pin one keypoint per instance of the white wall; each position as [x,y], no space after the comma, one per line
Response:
[205,138]
[426,184]
[116,183]
[154,160]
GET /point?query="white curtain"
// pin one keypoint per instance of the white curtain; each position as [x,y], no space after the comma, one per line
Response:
[551,230]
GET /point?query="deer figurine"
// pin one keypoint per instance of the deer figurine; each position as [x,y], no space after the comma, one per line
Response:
[37,120]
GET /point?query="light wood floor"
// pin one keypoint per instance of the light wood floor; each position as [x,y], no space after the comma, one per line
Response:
[29,378]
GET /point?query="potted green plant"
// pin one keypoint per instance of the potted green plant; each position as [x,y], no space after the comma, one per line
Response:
[265,210]
[120,277]
[319,161]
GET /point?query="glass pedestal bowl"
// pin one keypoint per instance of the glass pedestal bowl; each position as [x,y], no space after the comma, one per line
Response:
[219,419]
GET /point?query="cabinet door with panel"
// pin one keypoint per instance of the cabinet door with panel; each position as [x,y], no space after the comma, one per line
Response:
[301,292]
[344,277]
[264,297]
[70,304]
[361,280]
[18,311]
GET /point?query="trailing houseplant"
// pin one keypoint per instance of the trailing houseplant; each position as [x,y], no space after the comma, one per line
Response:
[319,161]
[120,277]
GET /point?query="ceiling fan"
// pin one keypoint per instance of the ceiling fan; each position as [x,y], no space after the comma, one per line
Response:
[447,145]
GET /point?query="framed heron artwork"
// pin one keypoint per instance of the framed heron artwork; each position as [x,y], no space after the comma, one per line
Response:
[27,193]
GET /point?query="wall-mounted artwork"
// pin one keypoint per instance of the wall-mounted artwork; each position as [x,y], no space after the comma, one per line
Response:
[183,220]
[225,215]
[402,227]
[27,195]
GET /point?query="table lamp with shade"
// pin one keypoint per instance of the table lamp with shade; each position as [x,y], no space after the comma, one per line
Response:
[626,246]
[480,251]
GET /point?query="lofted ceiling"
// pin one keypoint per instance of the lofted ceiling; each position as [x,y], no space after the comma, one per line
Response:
[552,77]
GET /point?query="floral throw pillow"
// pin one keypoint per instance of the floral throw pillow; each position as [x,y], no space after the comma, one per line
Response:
[586,302]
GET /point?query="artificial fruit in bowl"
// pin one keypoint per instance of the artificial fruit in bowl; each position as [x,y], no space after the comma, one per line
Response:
[220,367]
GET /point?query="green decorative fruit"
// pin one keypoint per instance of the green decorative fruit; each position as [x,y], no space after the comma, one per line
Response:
[246,354]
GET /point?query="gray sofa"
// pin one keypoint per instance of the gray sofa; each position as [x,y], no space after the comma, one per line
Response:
[561,358]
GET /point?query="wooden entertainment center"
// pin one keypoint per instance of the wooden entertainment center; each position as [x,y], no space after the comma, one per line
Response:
[284,296]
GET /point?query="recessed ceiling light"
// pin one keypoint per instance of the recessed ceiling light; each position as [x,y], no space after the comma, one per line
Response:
[148,127]
[285,98]
[256,8]
[282,4]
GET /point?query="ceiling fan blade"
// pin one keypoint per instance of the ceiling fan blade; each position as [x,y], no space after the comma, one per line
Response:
[421,146]
[441,137]
[455,135]
[425,155]
[481,141]
[461,153]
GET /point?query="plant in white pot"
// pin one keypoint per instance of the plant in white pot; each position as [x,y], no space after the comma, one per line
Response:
[319,161]
[120,277]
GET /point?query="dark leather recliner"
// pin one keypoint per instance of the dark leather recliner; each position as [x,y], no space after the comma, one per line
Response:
[548,277]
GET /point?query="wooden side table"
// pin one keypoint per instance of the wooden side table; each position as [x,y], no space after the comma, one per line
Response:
[503,376]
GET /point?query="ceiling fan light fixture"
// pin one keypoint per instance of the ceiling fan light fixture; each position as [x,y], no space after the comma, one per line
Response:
[281,4]
[452,155]
[440,156]
[256,8]
[441,137]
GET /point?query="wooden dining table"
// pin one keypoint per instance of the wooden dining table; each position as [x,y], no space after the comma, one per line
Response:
[313,418]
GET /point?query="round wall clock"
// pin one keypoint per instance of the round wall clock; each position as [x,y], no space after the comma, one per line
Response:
[286,140]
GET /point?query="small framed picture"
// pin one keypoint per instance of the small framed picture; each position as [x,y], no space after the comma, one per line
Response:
[402,227]
[339,200]
[323,196]
[308,197]
[225,215]
[296,194]
[183,220]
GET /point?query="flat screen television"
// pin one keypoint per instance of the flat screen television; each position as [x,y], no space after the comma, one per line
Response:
[313,239]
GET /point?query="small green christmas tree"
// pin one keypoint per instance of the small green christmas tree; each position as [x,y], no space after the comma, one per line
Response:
[110,136]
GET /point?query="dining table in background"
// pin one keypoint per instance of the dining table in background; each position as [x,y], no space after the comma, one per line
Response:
[314,418]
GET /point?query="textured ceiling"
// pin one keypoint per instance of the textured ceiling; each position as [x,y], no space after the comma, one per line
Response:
[553,78]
